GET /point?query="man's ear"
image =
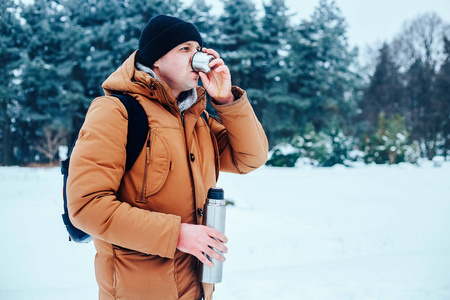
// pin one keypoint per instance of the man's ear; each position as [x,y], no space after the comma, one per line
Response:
[155,64]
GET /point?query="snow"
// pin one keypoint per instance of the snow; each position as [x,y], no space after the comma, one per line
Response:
[367,232]
[285,149]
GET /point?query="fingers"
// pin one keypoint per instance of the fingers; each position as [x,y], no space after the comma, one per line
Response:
[216,62]
[223,69]
[209,253]
[204,79]
[200,240]
[212,52]
[218,245]
[214,245]
[201,257]
[216,234]
[218,66]
[214,254]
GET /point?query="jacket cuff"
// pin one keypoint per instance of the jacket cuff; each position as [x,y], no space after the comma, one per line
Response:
[238,93]
[173,240]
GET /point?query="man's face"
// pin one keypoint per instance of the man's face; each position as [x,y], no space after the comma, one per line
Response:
[175,69]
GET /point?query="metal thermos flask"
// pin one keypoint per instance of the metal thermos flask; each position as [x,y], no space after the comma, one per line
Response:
[214,216]
[200,62]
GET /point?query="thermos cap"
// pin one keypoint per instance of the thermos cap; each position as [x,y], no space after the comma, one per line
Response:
[215,193]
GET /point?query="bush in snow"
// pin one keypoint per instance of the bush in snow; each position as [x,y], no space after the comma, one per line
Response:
[313,145]
[283,155]
[326,148]
[389,144]
[412,153]
[341,146]
[319,148]
[438,161]
[356,155]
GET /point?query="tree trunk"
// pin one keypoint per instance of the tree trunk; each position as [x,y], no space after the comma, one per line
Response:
[6,138]
[430,149]
[392,157]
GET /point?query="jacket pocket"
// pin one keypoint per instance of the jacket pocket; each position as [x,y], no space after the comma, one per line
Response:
[142,276]
[124,251]
[158,164]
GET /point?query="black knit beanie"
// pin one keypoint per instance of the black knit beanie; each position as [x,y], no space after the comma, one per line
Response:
[161,34]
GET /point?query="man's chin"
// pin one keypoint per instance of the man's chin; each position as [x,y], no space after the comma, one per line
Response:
[190,87]
[194,84]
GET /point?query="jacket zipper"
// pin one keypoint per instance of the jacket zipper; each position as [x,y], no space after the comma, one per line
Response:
[182,118]
[187,150]
[147,162]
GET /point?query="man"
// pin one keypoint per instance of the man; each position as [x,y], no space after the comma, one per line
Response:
[146,222]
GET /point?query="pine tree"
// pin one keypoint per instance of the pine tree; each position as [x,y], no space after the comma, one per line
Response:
[12,41]
[134,15]
[442,96]
[313,145]
[40,83]
[385,92]
[341,145]
[199,13]
[321,66]
[276,101]
[101,37]
[389,144]
[422,112]
[276,31]
[335,59]
[75,78]
[419,50]
[139,12]
[304,85]
[105,42]
[236,38]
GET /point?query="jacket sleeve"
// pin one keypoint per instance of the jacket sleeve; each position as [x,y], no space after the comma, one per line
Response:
[96,169]
[241,140]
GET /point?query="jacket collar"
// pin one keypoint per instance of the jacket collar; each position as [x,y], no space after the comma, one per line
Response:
[130,80]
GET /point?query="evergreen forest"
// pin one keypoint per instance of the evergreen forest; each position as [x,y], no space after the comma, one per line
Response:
[315,98]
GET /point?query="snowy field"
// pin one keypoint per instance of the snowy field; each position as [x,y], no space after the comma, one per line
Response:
[368,232]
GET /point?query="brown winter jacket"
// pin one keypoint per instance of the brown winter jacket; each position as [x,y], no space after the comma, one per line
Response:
[135,217]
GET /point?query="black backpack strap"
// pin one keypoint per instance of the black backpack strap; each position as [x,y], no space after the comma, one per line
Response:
[136,137]
[137,128]
[75,234]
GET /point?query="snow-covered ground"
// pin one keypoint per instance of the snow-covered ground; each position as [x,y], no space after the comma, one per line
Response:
[368,232]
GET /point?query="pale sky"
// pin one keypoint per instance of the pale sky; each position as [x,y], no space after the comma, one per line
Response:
[369,21]
[372,21]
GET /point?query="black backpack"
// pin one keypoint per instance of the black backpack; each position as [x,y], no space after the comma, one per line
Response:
[136,137]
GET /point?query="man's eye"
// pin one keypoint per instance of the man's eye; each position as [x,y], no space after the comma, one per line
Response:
[185,48]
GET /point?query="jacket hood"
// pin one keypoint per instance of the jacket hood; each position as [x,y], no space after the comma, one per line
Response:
[126,79]
[129,80]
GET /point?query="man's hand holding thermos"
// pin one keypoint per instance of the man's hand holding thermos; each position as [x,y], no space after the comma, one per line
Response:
[207,242]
